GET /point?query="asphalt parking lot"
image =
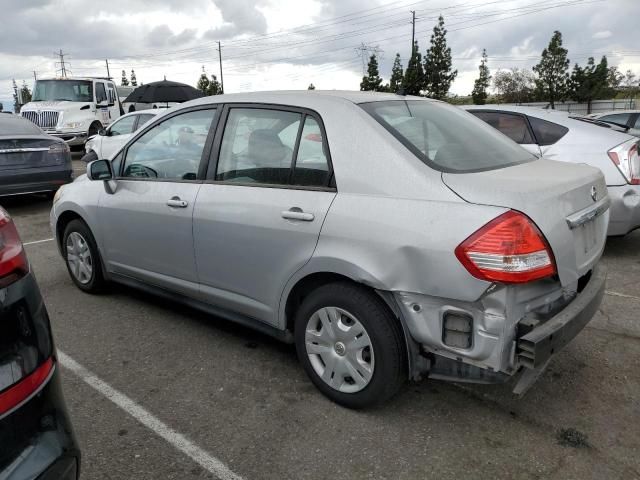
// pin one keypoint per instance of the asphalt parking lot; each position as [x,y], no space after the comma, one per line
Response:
[232,398]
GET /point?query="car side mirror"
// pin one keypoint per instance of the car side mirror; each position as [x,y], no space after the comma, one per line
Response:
[103,132]
[100,170]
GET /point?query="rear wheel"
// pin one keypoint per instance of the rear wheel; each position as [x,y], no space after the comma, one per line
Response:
[350,345]
[82,257]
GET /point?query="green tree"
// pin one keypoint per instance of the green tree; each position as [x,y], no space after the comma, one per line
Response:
[553,71]
[590,82]
[397,76]
[515,85]
[630,84]
[413,80]
[124,82]
[214,87]
[311,87]
[438,75]
[203,83]
[372,81]
[16,103]
[480,86]
[26,93]
[134,80]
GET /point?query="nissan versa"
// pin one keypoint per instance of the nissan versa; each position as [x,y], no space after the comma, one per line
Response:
[36,437]
[388,237]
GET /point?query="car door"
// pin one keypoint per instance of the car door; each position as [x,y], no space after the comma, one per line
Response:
[258,216]
[117,135]
[146,222]
[102,104]
[513,125]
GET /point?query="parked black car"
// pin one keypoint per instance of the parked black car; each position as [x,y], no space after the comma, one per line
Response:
[36,437]
[30,160]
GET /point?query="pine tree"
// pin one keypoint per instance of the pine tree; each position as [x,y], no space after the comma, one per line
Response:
[26,93]
[481,84]
[553,71]
[372,81]
[414,75]
[311,87]
[590,83]
[124,82]
[16,103]
[203,83]
[214,86]
[134,80]
[438,75]
[397,76]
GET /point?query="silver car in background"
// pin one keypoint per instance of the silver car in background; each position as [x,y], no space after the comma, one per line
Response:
[628,119]
[388,237]
[558,136]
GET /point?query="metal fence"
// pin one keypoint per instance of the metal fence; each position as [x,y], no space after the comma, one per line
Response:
[581,108]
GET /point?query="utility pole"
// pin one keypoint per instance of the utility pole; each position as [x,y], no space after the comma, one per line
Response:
[35,76]
[413,32]
[220,58]
[106,60]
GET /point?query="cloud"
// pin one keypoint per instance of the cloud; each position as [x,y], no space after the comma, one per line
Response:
[602,35]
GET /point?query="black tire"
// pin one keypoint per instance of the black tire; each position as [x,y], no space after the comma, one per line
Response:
[90,156]
[96,283]
[384,330]
[93,129]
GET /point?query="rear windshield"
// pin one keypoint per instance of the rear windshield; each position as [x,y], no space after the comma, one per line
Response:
[14,125]
[447,138]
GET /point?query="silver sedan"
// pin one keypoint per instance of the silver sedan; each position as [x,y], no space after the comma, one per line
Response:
[388,237]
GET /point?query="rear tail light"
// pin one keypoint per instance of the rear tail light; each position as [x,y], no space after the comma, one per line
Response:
[509,249]
[59,148]
[13,260]
[627,159]
[18,393]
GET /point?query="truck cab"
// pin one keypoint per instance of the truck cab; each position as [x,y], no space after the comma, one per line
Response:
[73,109]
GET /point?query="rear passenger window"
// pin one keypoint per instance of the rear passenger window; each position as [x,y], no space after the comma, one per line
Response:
[257,146]
[312,167]
[637,124]
[547,133]
[142,119]
[513,126]
[619,118]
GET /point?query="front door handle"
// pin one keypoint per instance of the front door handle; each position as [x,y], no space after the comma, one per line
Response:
[176,202]
[296,213]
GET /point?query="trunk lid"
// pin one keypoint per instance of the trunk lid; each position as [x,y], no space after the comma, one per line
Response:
[558,197]
[28,152]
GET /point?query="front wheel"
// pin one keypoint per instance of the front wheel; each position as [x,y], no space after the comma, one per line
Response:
[82,257]
[350,345]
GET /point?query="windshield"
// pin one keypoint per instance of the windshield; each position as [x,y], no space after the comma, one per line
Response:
[70,90]
[447,138]
[14,125]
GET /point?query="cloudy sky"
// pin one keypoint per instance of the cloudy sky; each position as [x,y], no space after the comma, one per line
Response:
[287,44]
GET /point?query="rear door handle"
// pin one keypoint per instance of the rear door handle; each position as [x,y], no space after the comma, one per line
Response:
[176,202]
[296,213]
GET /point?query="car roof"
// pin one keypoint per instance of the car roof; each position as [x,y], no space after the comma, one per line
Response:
[300,96]
[147,111]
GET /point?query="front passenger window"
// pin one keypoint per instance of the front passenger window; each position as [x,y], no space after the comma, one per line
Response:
[172,149]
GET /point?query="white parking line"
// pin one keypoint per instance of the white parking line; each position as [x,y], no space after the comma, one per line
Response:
[38,241]
[623,295]
[177,440]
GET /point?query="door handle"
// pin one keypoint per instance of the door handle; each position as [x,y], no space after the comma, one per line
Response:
[296,213]
[177,203]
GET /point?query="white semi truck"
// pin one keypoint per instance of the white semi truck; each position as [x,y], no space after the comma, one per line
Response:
[73,109]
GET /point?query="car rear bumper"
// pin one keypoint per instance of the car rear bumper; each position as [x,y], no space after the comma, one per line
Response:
[71,138]
[510,329]
[19,182]
[625,209]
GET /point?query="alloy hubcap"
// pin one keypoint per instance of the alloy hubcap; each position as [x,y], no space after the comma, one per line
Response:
[339,349]
[79,258]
